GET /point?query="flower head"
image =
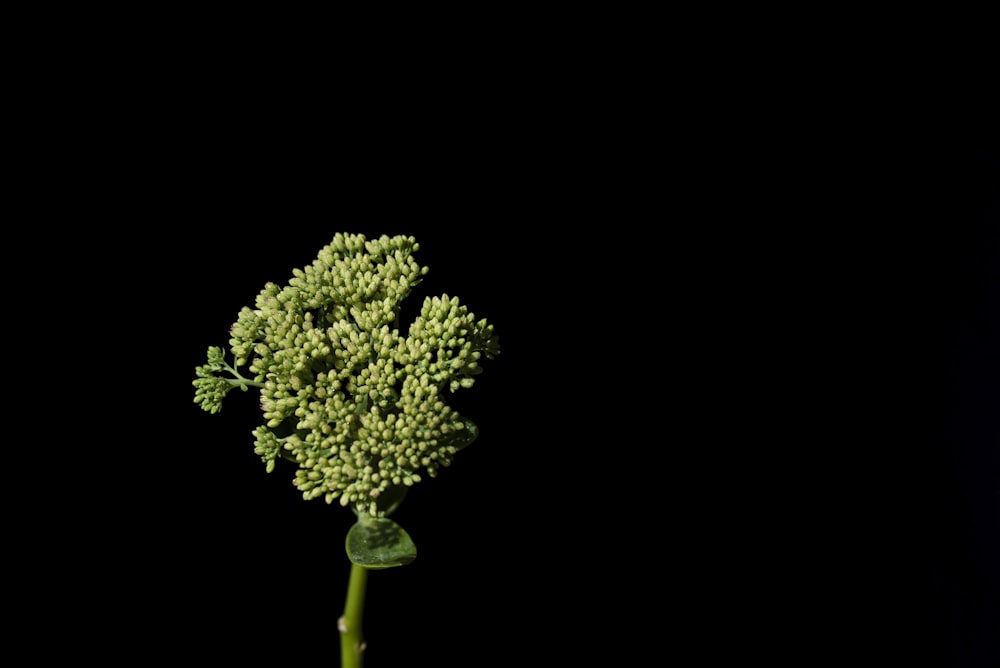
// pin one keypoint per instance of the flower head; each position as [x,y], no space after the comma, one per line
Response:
[357,405]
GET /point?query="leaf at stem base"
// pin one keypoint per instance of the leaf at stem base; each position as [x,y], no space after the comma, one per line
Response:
[378,542]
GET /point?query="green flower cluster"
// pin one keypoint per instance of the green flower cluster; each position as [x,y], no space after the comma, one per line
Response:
[359,407]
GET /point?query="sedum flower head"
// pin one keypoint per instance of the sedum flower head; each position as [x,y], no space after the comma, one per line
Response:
[357,405]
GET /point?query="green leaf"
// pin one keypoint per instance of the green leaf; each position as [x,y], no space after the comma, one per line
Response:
[461,438]
[378,542]
[389,500]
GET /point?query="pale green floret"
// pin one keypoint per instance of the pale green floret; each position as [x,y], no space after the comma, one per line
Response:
[355,404]
[210,389]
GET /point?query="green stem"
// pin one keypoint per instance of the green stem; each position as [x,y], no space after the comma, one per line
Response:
[352,644]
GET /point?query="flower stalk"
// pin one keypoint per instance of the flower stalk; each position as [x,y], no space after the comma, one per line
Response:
[352,643]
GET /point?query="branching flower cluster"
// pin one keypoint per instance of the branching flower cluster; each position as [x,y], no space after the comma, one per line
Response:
[359,407]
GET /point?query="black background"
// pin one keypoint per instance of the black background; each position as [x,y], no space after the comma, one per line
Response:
[745,404]
[745,284]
